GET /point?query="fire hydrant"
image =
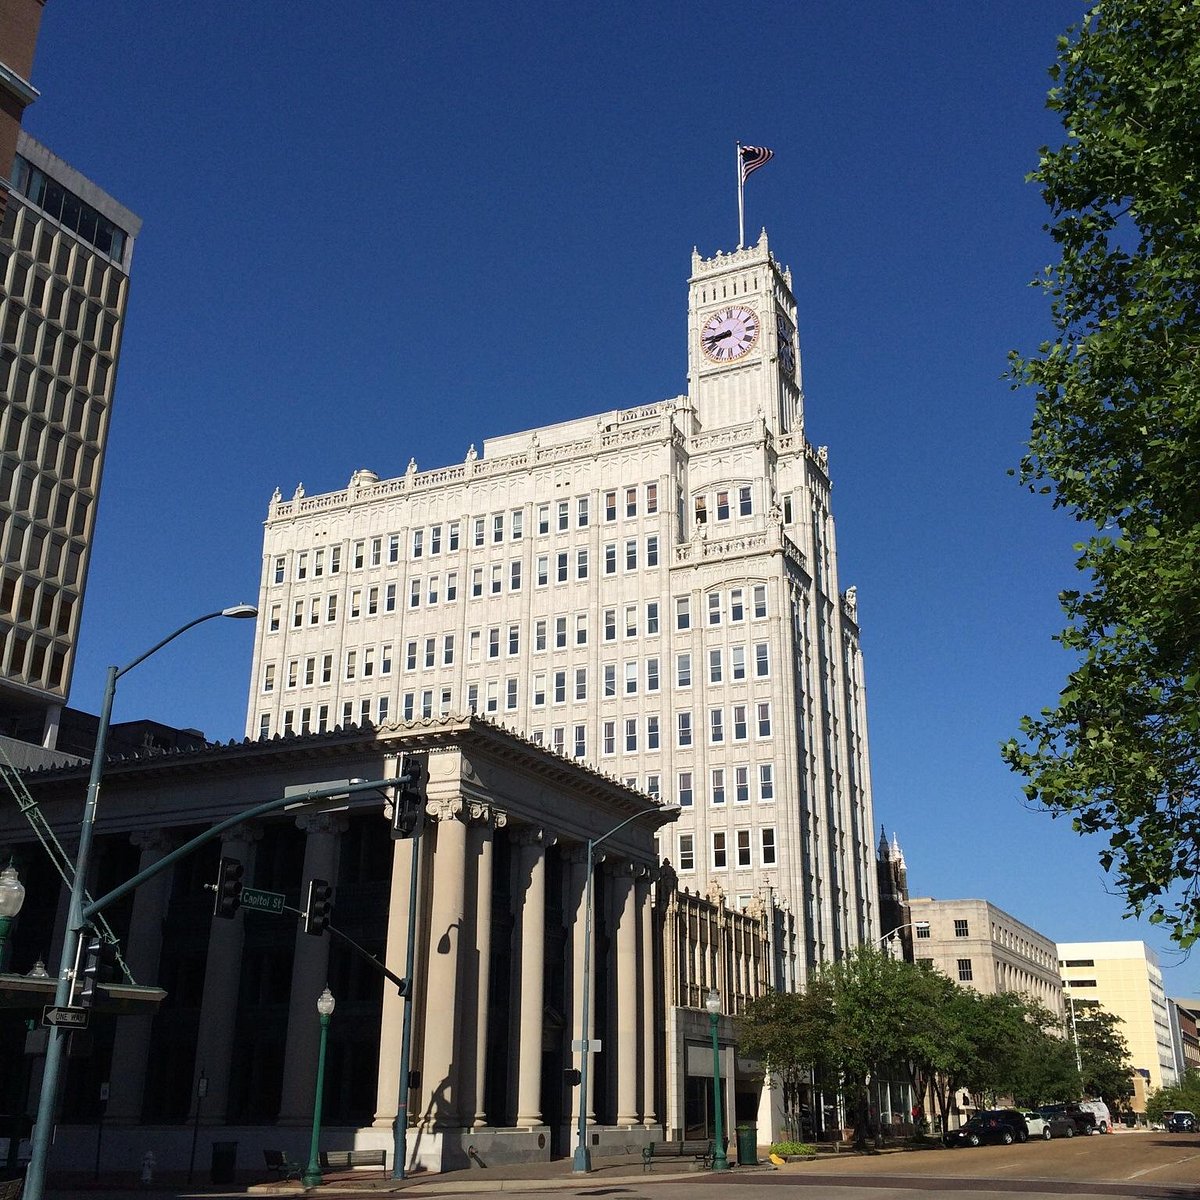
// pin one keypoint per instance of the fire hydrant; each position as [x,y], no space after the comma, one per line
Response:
[148,1168]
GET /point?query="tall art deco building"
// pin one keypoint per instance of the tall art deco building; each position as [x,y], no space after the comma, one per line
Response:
[653,591]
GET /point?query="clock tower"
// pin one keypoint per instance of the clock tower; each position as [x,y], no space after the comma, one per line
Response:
[742,343]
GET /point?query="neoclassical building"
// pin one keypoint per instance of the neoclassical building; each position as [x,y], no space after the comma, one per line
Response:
[652,591]
[498,991]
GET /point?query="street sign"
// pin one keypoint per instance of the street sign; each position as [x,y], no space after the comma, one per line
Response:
[586,1045]
[259,901]
[73,1018]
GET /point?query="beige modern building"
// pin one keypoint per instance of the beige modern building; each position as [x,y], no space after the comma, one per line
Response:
[66,248]
[652,591]
[1125,979]
[499,970]
[981,946]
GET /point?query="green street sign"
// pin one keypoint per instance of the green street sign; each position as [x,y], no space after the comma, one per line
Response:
[259,901]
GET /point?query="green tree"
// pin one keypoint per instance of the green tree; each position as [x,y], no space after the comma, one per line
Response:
[1182,1095]
[1104,1053]
[1116,439]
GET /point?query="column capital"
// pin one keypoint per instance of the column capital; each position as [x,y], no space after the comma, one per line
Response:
[322,822]
[479,812]
[533,835]
[449,808]
[155,840]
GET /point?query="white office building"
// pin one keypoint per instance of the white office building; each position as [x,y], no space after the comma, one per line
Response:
[653,591]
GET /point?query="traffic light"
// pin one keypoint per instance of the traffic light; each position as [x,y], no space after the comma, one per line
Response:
[99,959]
[229,887]
[410,796]
[318,906]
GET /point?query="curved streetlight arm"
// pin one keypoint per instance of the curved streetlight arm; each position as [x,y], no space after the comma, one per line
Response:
[237,611]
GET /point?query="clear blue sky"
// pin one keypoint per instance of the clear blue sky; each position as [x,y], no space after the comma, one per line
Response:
[383,230]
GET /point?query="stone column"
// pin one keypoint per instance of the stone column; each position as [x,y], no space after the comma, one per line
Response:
[440,1070]
[626,1022]
[391,1025]
[131,1042]
[218,1005]
[532,929]
[476,978]
[310,969]
[651,1050]
[577,886]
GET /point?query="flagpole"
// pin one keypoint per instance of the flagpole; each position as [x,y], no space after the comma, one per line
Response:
[741,204]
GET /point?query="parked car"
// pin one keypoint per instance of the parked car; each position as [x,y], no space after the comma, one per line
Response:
[1099,1110]
[1004,1125]
[1058,1125]
[1034,1122]
[1084,1119]
[1182,1122]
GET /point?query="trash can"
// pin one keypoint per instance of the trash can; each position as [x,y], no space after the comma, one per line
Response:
[224,1160]
[747,1145]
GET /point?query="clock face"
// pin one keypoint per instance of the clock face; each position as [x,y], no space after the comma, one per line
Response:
[729,334]
[787,348]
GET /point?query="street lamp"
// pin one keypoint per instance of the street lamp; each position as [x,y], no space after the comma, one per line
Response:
[712,1002]
[35,1178]
[581,1163]
[12,896]
[312,1173]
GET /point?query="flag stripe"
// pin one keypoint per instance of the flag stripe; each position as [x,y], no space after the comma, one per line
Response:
[754,157]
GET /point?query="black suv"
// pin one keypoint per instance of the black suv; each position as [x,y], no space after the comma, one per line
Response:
[1182,1122]
[1085,1120]
[1004,1125]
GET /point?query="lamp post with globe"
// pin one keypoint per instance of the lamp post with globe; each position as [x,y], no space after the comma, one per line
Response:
[712,1002]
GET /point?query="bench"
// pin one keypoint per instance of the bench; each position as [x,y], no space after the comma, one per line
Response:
[282,1167]
[344,1160]
[699,1149]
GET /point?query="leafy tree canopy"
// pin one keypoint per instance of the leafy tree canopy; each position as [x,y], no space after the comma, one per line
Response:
[1104,1055]
[1182,1095]
[1116,440]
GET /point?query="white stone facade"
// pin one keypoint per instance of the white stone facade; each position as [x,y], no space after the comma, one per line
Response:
[653,591]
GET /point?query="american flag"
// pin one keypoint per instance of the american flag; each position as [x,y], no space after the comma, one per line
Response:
[754,157]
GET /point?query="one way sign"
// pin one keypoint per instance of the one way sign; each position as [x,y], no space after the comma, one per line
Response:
[71,1018]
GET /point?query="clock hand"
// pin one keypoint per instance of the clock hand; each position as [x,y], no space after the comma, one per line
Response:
[717,337]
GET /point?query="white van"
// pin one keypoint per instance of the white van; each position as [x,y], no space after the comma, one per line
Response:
[1099,1110]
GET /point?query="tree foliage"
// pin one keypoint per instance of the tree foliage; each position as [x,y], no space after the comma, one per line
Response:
[1104,1055]
[1182,1095]
[1116,439]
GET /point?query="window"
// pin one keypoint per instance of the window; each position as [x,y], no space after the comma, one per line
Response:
[514,639]
[327,668]
[631,735]
[610,624]
[683,613]
[514,575]
[631,555]
[922,928]
[580,741]
[737,655]
[302,565]
[560,687]
[276,609]
[409,706]
[498,527]
[714,666]
[497,578]
[651,498]
[510,694]
[719,853]
[631,678]
[543,570]
[410,656]
[373,597]
[435,542]
[479,529]
[451,587]
[652,550]
[683,670]
[314,610]
[764,719]
[560,633]
[581,683]
[718,785]
[743,847]
[760,601]
[652,733]
[739,722]
[581,629]
[651,616]
[762,660]
[269,678]
[543,518]
[631,620]
[368,662]
[414,596]
[384,705]
[652,674]
[351,659]
[564,516]
[745,505]
[961,929]
[653,788]
[297,614]
[610,506]
[539,634]
[685,789]
[539,689]
[476,581]
[741,785]
[473,640]
[389,600]
[737,610]
[964,970]
[716,725]
[280,567]
[562,566]
[385,658]
[631,502]
[687,853]
[685,728]
[264,725]
[430,653]
[335,559]
[610,679]
[609,743]
[581,512]
[360,557]
[610,558]
[376,559]
[418,543]
[723,506]
[714,608]
[581,563]
[766,782]
[767,842]
[517,524]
